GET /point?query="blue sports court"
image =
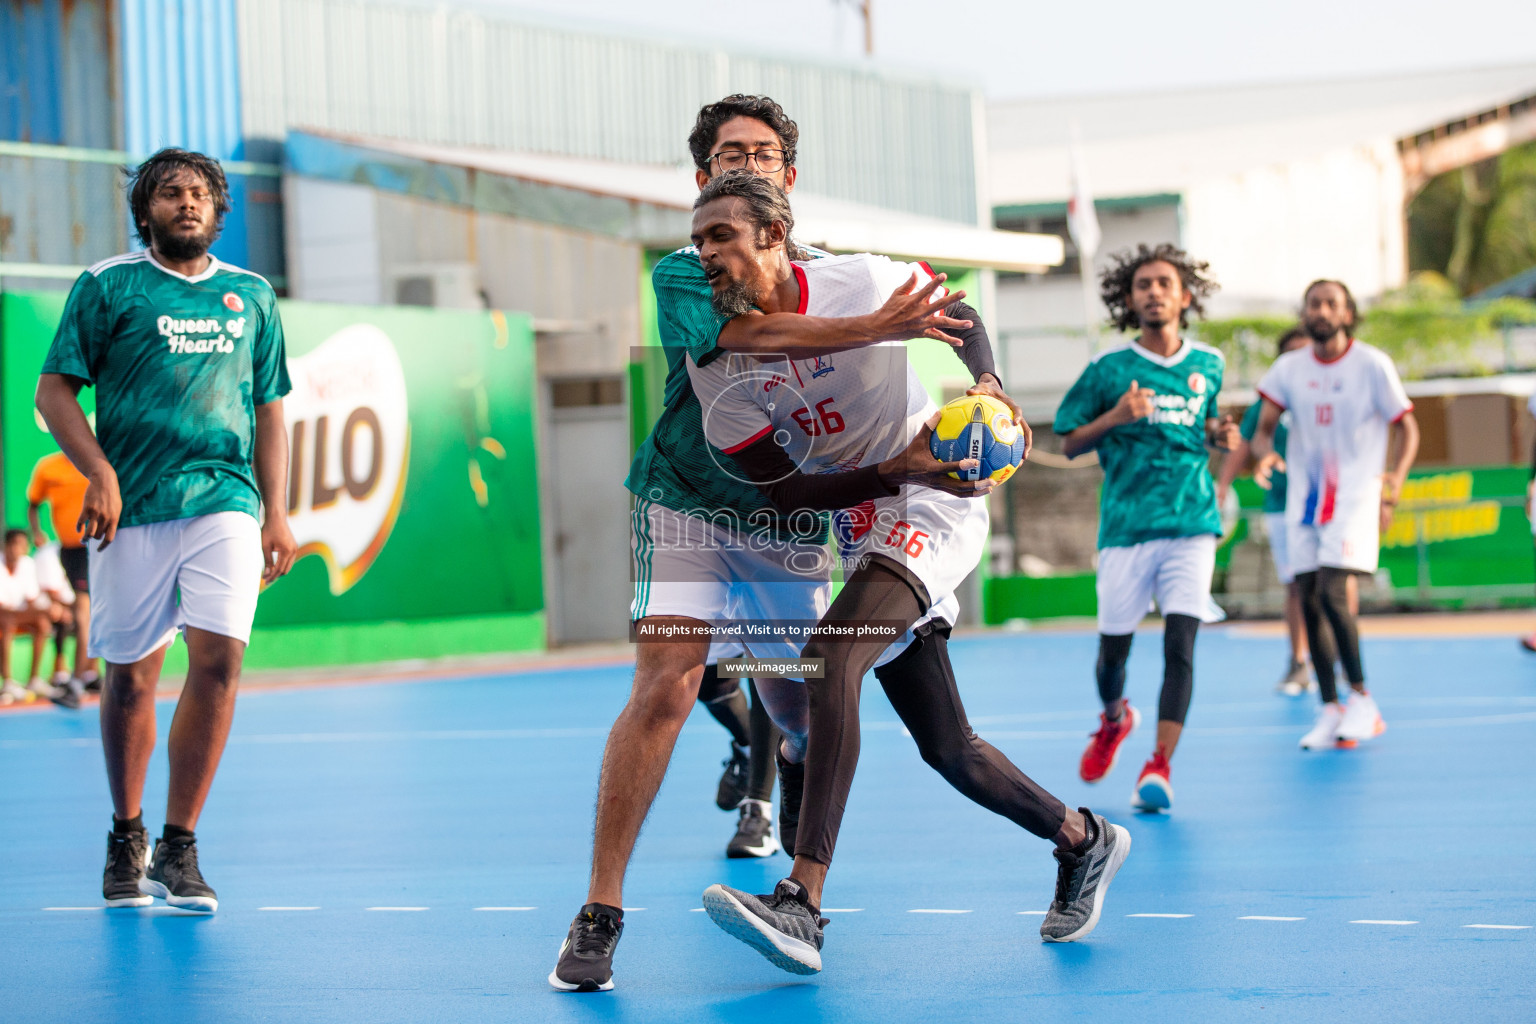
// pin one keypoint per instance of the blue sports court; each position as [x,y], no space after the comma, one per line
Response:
[414,850]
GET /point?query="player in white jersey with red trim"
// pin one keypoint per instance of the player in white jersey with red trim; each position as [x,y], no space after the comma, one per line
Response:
[1345,398]
[805,431]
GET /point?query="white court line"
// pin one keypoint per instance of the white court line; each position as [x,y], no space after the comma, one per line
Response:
[860,910]
[1160,915]
[399,908]
[1262,917]
[938,911]
[1500,927]
[1033,913]
[506,908]
[696,910]
[1383,922]
[631,910]
[79,908]
[287,908]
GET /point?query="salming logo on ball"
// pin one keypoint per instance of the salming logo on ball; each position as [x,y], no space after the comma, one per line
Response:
[349,434]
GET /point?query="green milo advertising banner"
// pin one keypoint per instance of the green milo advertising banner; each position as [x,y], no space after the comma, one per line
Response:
[412,482]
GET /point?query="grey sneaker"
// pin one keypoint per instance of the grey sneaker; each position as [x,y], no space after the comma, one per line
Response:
[1082,879]
[127,857]
[781,926]
[68,694]
[174,876]
[586,957]
[1297,679]
[754,832]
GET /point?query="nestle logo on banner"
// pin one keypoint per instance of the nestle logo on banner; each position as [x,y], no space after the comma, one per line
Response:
[349,438]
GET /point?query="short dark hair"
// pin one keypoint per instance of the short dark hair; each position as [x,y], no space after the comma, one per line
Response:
[1289,336]
[766,204]
[706,128]
[13,533]
[149,175]
[1349,298]
[1115,282]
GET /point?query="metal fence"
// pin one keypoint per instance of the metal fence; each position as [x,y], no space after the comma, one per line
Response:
[63,208]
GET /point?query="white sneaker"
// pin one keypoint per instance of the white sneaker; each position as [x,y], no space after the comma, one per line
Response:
[41,687]
[1362,719]
[61,678]
[12,693]
[1325,731]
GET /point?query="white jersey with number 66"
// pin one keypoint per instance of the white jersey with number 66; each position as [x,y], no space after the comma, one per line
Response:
[850,409]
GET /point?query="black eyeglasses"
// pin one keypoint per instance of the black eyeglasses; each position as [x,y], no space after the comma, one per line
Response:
[767,160]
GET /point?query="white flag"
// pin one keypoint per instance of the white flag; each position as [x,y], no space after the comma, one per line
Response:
[1082,220]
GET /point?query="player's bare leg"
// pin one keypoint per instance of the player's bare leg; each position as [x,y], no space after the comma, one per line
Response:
[638,751]
[128,729]
[201,724]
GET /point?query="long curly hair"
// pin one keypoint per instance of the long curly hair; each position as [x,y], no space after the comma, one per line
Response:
[1115,282]
[148,176]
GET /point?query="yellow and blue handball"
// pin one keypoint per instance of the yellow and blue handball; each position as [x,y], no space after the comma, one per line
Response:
[982,428]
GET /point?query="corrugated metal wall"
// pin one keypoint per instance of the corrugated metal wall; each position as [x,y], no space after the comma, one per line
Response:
[465,78]
[58,74]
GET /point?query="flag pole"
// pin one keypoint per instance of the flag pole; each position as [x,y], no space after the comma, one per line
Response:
[1083,226]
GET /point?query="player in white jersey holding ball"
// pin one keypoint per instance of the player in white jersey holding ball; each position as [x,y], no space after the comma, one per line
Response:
[795,426]
[1345,398]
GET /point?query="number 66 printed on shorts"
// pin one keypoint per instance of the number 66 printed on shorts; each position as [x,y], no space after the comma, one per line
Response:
[936,536]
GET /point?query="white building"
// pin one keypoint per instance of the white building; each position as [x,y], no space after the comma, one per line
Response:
[1274,185]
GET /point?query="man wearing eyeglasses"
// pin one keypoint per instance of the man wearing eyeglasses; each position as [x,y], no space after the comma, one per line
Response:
[690,571]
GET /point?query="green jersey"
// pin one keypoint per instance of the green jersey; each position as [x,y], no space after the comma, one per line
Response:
[1274,498]
[179,365]
[675,466]
[1157,478]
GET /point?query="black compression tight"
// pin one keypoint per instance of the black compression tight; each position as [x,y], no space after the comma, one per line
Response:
[723,699]
[763,771]
[832,751]
[1178,667]
[749,727]
[1325,604]
[920,685]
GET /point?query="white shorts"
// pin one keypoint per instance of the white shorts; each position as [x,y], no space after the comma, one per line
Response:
[1175,570]
[699,569]
[156,579]
[1353,543]
[1279,547]
[938,537]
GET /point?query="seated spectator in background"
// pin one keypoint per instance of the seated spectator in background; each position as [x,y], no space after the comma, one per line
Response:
[58,484]
[54,583]
[23,609]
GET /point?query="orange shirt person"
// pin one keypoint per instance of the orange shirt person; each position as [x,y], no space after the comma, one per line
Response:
[58,484]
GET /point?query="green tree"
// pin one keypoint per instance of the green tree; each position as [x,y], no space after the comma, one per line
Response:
[1477,225]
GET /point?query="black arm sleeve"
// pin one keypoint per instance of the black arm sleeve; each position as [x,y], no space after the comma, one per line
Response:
[976,352]
[791,490]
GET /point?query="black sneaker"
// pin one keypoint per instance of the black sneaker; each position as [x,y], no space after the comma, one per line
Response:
[127,856]
[586,957]
[754,831]
[733,781]
[782,926]
[173,876]
[67,695]
[791,789]
[1082,879]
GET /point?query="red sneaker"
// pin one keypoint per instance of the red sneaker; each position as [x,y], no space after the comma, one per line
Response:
[1104,747]
[1153,793]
